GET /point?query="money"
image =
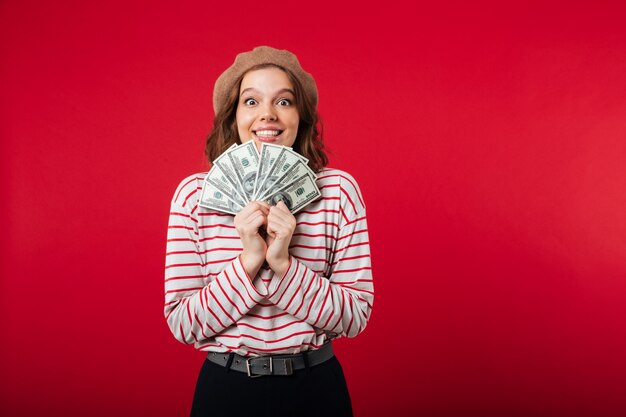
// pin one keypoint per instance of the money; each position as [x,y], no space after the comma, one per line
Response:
[226,165]
[219,180]
[297,170]
[213,198]
[269,153]
[297,194]
[245,162]
[285,159]
[241,175]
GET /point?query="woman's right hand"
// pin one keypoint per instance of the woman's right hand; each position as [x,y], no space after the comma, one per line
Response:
[248,222]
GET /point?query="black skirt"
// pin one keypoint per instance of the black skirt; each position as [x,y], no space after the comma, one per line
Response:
[318,391]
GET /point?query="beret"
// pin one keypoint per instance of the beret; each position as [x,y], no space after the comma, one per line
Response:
[259,56]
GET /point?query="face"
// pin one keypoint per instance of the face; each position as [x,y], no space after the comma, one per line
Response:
[266,110]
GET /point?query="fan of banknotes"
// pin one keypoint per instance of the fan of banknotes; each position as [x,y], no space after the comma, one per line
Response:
[241,175]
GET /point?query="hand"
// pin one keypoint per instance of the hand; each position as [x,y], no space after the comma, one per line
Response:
[247,222]
[280,227]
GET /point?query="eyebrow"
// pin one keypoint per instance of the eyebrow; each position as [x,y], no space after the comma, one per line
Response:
[283,90]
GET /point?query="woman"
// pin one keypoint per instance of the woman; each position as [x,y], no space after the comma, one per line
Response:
[264,292]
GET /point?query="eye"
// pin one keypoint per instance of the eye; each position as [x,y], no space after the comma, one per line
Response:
[284,102]
[249,102]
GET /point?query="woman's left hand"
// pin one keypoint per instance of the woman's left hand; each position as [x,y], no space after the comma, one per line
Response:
[280,226]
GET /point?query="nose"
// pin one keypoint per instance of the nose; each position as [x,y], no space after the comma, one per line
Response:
[267,113]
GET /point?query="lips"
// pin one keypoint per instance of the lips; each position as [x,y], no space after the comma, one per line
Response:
[267,135]
[267,132]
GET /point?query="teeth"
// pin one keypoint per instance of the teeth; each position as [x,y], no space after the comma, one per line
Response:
[267,132]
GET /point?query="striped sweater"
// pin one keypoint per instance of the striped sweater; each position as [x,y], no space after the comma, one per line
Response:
[327,291]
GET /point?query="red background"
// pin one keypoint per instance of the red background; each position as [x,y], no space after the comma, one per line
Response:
[489,142]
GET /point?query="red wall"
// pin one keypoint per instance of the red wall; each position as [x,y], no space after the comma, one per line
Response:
[489,143]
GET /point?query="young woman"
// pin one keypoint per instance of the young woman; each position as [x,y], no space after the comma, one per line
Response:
[264,292]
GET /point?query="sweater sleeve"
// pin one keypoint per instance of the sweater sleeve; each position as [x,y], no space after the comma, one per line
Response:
[341,302]
[198,305]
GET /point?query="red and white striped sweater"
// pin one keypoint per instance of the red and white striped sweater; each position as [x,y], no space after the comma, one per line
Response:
[327,291]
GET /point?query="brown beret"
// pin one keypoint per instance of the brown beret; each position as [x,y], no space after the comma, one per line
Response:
[258,56]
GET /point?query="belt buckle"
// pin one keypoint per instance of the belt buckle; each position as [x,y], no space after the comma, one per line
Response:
[288,367]
[248,368]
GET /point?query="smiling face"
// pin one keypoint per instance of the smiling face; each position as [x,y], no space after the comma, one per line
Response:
[266,109]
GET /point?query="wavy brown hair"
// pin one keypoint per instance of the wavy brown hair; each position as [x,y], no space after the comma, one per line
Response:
[309,142]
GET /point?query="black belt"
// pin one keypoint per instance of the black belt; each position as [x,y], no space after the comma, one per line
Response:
[272,365]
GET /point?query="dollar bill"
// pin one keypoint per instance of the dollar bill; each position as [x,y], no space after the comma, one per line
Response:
[269,153]
[212,198]
[217,178]
[283,161]
[297,194]
[299,169]
[241,175]
[245,162]
[226,165]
